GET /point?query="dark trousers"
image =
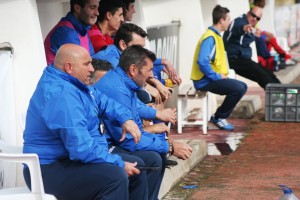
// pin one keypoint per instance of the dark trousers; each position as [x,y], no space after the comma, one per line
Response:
[154,177]
[73,180]
[253,71]
[234,91]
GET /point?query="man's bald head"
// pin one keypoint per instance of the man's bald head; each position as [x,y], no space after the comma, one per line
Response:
[75,61]
[67,53]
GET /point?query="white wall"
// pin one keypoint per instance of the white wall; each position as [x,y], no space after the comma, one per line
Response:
[23,32]
[21,28]
[162,12]
[267,21]
[50,12]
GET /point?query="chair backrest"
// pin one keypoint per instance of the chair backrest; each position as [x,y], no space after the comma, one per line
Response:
[10,153]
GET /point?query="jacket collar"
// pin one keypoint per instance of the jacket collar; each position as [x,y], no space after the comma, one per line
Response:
[74,81]
[79,27]
[128,81]
[214,30]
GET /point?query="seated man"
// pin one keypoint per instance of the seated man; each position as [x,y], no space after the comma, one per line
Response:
[209,70]
[101,67]
[62,128]
[73,28]
[135,67]
[266,42]
[237,40]
[108,22]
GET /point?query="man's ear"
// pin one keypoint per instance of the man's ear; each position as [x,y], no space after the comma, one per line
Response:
[108,15]
[68,68]
[132,70]
[122,45]
[77,8]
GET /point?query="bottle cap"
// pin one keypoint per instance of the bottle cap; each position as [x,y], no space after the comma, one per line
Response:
[286,189]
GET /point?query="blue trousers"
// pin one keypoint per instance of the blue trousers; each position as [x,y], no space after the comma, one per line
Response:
[73,180]
[234,91]
[151,159]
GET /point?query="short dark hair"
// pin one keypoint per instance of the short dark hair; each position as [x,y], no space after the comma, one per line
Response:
[218,13]
[81,3]
[135,54]
[127,2]
[125,33]
[101,65]
[108,6]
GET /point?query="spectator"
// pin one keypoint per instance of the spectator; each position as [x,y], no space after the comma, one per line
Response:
[128,10]
[135,66]
[209,71]
[62,127]
[237,40]
[73,28]
[108,22]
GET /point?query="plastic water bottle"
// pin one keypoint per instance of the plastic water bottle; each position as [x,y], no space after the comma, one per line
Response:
[287,193]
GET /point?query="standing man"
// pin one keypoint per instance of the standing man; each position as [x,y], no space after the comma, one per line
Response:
[73,28]
[62,128]
[135,68]
[237,40]
[209,70]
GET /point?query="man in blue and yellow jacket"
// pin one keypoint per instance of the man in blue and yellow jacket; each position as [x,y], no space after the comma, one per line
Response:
[209,70]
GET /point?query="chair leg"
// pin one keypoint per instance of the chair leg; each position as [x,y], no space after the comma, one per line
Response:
[180,116]
[205,114]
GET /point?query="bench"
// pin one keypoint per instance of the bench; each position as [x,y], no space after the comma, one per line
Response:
[188,92]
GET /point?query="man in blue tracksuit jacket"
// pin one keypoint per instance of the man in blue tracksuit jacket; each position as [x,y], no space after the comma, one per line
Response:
[121,84]
[62,128]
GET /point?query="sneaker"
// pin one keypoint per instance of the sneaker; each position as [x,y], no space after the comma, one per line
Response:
[221,123]
[290,62]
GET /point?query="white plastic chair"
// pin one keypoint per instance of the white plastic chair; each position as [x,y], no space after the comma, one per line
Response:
[13,154]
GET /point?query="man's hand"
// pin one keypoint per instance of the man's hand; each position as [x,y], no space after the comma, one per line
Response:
[248,28]
[131,169]
[170,68]
[167,115]
[163,90]
[157,128]
[131,127]
[176,79]
[223,76]
[154,93]
[257,32]
[182,150]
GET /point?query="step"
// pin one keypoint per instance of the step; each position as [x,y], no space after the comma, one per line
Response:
[175,173]
[246,108]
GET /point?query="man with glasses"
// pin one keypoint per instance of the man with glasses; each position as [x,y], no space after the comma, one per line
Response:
[237,40]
